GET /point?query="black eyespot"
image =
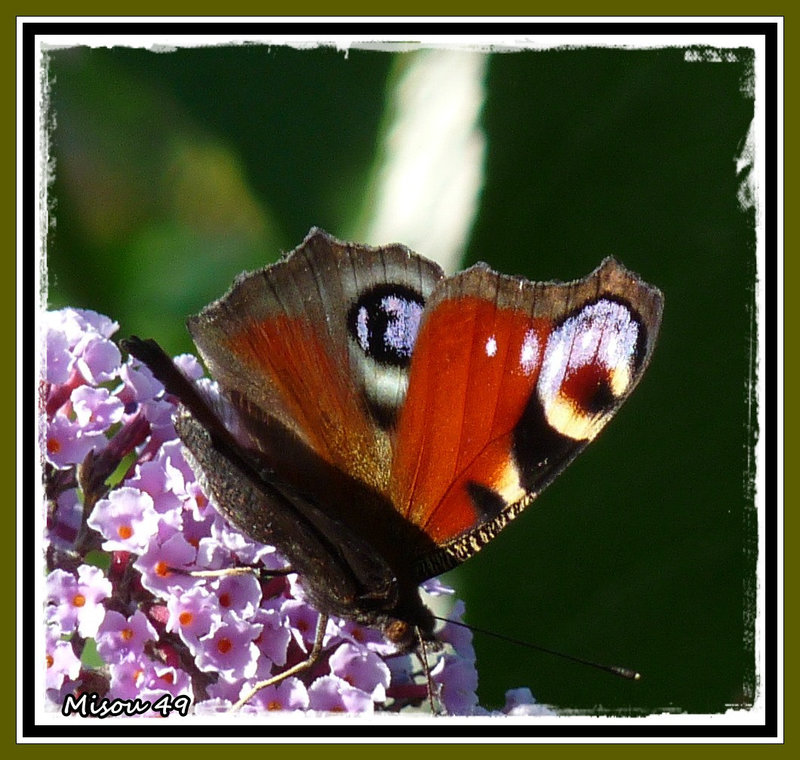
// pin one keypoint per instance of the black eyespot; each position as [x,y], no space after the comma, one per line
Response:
[602,400]
[487,503]
[384,323]
[589,388]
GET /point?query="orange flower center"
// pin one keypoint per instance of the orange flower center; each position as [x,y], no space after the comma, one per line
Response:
[162,569]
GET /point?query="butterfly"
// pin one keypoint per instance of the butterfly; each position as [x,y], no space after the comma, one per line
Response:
[379,422]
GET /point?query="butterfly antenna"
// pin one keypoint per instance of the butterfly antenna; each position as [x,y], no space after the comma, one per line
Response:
[631,675]
[175,382]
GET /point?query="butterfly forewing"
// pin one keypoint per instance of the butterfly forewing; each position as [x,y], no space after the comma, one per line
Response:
[283,341]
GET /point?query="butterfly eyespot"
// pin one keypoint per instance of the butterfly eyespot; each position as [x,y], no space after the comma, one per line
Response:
[589,363]
[384,323]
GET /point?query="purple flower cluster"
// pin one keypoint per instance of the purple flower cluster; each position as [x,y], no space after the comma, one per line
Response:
[128,527]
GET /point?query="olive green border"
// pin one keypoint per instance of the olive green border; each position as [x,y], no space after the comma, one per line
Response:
[346,9]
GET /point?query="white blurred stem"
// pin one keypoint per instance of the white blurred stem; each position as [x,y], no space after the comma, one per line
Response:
[430,168]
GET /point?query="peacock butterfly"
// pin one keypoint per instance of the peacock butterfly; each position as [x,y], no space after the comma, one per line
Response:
[380,422]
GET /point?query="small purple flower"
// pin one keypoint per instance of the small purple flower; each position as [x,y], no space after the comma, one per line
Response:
[405,685]
[369,638]
[192,616]
[79,349]
[302,621]
[175,468]
[127,678]
[76,603]
[98,359]
[59,358]
[93,322]
[95,408]
[176,453]
[362,669]
[459,637]
[126,519]
[188,364]
[120,638]
[239,593]
[162,678]
[290,694]
[159,414]
[62,663]
[198,505]
[138,384]
[211,555]
[152,478]
[68,443]
[230,649]
[334,694]
[273,641]
[75,324]
[244,549]
[165,565]
[225,693]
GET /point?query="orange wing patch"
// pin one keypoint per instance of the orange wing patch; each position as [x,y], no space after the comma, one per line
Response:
[315,391]
[473,371]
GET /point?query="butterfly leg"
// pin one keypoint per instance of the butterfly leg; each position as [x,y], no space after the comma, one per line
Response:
[322,624]
[423,655]
[245,570]
[223,572]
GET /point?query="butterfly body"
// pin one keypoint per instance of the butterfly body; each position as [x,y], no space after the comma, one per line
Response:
[380,422]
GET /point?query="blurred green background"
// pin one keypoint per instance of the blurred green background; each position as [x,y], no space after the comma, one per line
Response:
[174,171]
